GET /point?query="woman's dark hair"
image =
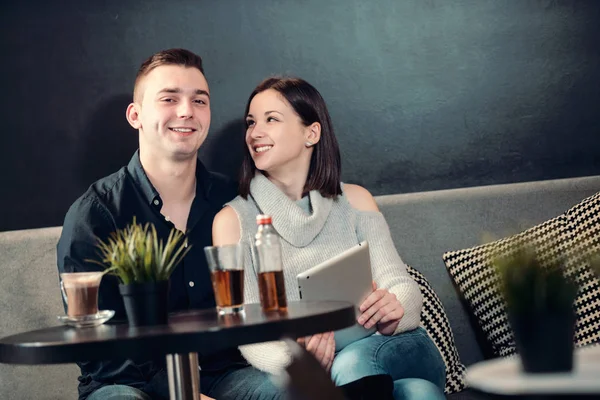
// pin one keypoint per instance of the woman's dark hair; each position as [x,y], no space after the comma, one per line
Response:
[324,173]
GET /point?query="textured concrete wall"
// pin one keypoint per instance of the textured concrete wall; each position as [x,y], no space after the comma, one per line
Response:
[424,94]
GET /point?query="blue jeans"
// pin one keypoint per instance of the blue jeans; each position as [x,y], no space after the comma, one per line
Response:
[410,358]
[247,383]
[233,383]
[118,392]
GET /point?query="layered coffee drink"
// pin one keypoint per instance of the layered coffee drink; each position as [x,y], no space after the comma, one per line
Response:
[80,290]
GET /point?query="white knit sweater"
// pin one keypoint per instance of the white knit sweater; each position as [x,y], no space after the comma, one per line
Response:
[309,239]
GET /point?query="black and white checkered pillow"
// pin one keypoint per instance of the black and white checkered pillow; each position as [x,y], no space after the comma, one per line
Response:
[476,278]
[435,322]
[584,225]
[568,238]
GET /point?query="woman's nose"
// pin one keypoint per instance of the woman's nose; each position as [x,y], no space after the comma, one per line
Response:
[256,131]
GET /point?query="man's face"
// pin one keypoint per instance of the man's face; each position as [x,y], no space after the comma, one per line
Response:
[172,112]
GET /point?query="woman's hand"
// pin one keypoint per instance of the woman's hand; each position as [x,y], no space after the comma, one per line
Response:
[322,347]
[203,397]
[383,309]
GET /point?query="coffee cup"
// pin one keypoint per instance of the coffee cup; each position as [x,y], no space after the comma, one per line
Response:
[80,292]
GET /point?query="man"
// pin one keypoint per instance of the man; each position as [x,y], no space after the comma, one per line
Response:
[164,184]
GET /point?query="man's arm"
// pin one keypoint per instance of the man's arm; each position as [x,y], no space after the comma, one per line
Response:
[87,221]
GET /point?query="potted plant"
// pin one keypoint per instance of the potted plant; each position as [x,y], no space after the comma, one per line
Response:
[143,264]
[540,305]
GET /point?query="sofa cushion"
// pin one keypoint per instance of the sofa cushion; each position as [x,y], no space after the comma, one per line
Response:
[583,220]
[435,322]
[571,236]
[30,298]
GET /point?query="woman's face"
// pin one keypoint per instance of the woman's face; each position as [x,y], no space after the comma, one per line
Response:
[275,134]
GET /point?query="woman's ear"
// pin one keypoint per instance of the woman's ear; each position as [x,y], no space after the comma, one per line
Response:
[133,115]
[313,134]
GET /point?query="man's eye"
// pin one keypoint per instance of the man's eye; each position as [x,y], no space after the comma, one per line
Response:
[168,100]
[199,101]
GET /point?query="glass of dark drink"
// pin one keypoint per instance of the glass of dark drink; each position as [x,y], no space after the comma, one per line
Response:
[227,275]
[80,292]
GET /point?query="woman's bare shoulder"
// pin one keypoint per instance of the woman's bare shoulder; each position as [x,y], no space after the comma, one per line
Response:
[360,198]
[226,227]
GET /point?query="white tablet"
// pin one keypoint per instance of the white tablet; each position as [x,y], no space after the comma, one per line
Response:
[345,277]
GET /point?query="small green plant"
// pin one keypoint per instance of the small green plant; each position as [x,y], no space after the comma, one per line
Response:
[530,287]
[135,254]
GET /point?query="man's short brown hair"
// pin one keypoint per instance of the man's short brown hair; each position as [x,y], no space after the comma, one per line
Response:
[181,57]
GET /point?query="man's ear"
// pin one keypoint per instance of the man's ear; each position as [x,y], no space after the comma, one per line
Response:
[133,115]
[314,133]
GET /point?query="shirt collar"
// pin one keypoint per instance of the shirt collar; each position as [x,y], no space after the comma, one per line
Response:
[135,169]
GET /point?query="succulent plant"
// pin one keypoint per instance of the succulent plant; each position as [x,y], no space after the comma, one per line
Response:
[528,286]
[135,254]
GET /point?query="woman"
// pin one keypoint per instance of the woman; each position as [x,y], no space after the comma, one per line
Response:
[291,170]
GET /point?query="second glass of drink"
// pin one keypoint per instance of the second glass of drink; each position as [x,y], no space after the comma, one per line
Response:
[227,276]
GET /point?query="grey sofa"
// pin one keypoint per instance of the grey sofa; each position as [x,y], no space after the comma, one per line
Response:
[424,225]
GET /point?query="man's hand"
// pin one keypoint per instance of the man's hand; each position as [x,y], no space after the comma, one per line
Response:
[322,347]
[383,309]
[203,397]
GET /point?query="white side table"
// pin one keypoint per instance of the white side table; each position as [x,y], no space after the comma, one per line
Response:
[506,377]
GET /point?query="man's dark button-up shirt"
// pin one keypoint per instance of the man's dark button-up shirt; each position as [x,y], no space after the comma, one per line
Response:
[110,204]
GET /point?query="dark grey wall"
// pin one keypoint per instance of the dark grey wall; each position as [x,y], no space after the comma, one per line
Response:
[424,94]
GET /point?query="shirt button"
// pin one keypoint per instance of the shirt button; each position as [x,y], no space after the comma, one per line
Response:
[191,283]
[156,202]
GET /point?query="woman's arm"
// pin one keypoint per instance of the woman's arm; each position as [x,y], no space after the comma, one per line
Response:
[226,227]
[389,272]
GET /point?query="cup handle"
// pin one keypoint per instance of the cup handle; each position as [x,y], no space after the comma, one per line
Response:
[64,294]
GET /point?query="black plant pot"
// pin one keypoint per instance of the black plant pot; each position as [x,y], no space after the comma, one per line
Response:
[146,303]
[544,340]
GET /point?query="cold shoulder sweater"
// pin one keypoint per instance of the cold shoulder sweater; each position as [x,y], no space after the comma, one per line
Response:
[309,238]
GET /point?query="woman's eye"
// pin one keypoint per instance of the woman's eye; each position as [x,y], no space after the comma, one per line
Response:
[269,119]
[249,122]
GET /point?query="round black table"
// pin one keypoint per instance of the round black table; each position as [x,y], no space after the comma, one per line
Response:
[186,334]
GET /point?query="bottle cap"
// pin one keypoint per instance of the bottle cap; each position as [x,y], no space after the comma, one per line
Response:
[262,219]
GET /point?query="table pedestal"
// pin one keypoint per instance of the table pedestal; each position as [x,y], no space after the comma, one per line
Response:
[184,376]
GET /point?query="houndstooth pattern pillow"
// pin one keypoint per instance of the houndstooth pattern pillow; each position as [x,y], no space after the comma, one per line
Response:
[435,322]
[477,280]
[584,226]
[570,238]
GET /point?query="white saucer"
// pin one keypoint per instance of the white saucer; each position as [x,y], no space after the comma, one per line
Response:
[505,376]
[86,321]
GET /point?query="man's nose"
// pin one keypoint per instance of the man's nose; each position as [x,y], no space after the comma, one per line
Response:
[185,110]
